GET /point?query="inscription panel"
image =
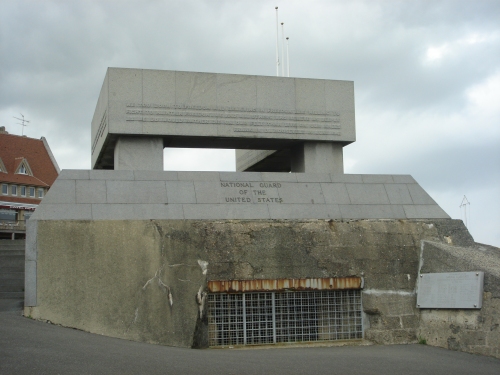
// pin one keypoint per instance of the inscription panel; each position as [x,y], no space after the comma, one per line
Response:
[454,290]
[243,120]
[253,192]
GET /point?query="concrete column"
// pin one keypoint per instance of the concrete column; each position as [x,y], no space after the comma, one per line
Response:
[139,153]
[316,157]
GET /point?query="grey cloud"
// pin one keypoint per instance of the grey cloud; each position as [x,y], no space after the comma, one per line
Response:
[54,55]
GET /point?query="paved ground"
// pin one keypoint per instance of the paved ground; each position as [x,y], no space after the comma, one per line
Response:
[32,347]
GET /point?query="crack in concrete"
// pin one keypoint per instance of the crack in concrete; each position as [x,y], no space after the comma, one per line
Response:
[161,284]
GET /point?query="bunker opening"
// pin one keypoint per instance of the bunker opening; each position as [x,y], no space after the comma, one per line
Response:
[283,316]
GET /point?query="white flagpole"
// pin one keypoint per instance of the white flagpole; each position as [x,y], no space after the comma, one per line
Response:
[277,50]
[283,49]
[287,59]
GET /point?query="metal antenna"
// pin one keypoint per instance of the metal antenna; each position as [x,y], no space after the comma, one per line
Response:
[277,50]
[23,122]
[287,59]
[283,49]
[463,205]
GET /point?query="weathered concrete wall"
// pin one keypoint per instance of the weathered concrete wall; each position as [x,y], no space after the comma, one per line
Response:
[117,277]
[473,331]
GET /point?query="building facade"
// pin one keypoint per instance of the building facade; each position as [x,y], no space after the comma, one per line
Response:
[27,170]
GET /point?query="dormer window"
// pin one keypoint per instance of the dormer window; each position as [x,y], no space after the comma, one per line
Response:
[24,168]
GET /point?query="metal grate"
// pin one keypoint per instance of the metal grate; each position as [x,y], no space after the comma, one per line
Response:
[283,317]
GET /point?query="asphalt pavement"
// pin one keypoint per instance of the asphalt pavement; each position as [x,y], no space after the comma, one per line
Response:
[33,347]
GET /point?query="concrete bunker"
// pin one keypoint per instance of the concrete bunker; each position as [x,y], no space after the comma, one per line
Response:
[131,251]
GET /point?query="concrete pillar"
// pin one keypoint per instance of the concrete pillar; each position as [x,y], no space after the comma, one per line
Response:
[139,153]
[316,157]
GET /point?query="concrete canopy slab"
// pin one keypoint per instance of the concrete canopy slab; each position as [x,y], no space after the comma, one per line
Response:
[208,110]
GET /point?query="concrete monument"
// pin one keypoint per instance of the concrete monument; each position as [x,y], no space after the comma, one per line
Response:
[139,112]
[219,259]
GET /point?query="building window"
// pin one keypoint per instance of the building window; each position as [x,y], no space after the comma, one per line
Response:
[23,191]
[22,170]
[283,317]
[40,193]
[32,192]
[13,190]
[8,215]
[5,189]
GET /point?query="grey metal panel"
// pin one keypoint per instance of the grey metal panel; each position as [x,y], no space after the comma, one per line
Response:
[367,193]
[136,192]
[90,191]
[62,191]
[398,193]
[451,290]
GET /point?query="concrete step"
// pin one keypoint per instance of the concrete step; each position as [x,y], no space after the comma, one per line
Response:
[11,304]
[11,252]
[16,244]
[11,276]
[7,269]
[12,260]
[11,283]
[11,295]
[11,289]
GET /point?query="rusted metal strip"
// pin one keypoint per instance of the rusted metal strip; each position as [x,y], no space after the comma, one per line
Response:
[275,285]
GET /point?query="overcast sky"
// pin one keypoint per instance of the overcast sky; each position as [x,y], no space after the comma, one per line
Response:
[426,77]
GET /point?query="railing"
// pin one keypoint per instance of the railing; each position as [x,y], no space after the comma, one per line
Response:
[12,225]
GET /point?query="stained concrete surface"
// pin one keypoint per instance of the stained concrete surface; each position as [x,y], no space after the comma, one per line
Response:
[33,347]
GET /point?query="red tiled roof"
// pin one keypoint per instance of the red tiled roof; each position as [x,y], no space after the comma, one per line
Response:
[14,148]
